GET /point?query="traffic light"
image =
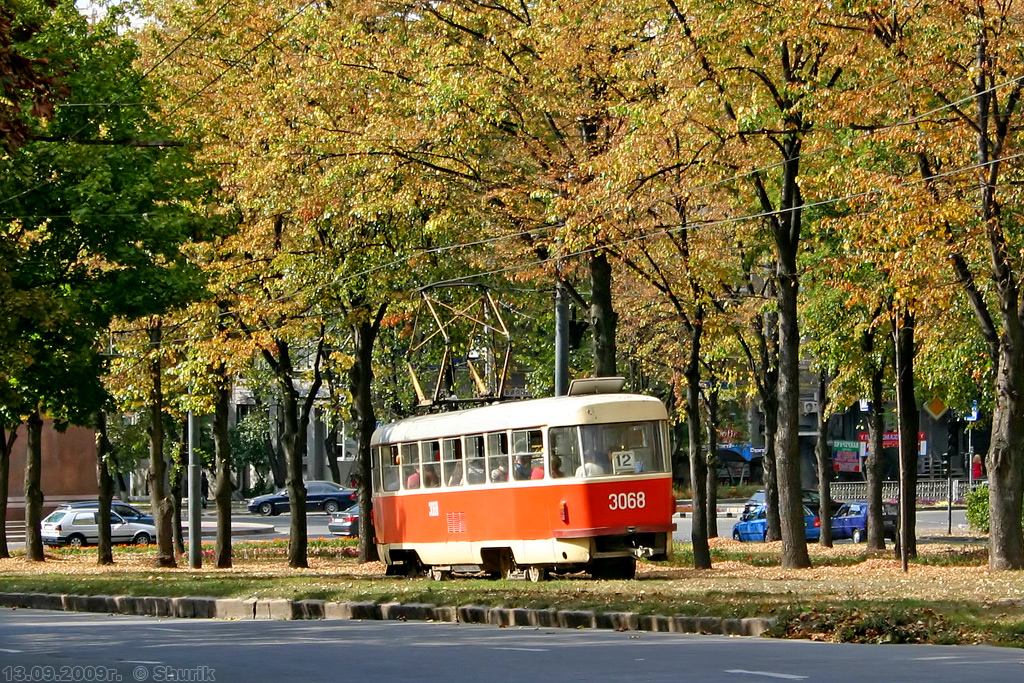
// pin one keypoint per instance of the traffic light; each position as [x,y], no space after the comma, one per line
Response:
[953,440]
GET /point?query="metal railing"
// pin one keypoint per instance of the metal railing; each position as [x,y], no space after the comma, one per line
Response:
[927,489]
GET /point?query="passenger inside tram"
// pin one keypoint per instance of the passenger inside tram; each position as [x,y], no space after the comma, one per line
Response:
[556,467]
[455,479]
[521,470]
[594,465]
[413,480]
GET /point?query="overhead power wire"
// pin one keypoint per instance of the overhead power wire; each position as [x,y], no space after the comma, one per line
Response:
[723,221]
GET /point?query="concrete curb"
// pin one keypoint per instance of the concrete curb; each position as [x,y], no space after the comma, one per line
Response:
[284,609]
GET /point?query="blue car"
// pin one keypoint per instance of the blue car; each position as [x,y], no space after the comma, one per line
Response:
[753,525]
[851,521]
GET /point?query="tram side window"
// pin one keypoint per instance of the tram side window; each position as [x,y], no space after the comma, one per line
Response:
[528,454]
[497,456]
[565,451]
[411,465]
[390,467]
[454,472]
[431,473]
[377,460]
[476,464]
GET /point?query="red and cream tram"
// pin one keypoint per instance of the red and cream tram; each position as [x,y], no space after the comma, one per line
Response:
[547,485]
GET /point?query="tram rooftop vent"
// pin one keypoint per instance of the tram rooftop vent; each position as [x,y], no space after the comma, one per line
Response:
[596,385]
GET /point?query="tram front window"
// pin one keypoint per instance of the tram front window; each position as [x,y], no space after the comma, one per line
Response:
[609,449]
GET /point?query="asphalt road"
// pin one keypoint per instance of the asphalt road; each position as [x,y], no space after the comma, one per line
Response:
[51,646]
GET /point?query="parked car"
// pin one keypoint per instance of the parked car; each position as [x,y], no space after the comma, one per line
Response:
[753,525]
[345,523]
[124,510]
[809,497]
[851,521]
[320,495]
[81,527]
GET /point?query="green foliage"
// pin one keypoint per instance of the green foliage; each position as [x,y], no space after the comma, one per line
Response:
[978,509]
[249,448]
[96,206]
[130,442]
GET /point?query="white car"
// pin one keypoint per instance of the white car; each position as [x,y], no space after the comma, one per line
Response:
[81,527]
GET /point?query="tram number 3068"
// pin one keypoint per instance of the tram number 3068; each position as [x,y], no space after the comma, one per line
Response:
[627,501]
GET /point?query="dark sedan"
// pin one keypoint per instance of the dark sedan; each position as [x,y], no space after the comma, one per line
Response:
[320,495]
[851,521]
[345,523]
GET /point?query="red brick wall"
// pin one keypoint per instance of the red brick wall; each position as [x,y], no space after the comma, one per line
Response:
[68,468]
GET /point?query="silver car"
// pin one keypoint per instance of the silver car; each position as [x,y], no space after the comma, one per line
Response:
[81,527]
[345,523]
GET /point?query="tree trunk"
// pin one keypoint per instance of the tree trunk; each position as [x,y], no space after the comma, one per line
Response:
[698,466]
[105,483]
[787,444]
[767,334]
[293,443]
[770,463]
[875,464]
[278,464]
[360,384]
[603,318]
[7,439]
[295,416]
[179,484]
[823,456]
[909,427]
[1006,451]
[33,489]
[331,452]
[159,501]
[222,453]
[712,469]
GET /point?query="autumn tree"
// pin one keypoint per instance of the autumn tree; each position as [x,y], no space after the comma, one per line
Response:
[970,168]
[332,213]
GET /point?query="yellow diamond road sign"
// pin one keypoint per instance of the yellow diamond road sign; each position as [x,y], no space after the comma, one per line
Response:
[936,408]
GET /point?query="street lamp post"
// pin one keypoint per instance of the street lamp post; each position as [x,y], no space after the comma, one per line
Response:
[195,496]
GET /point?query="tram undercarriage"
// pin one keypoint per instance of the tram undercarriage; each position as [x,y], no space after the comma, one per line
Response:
[603,557]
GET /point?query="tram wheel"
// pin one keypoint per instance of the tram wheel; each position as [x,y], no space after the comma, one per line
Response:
[536,574]
[438,574]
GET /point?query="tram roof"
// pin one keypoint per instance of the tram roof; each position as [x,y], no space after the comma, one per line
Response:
[540,412]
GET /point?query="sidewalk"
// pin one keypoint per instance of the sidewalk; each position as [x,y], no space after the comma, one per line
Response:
[207,529]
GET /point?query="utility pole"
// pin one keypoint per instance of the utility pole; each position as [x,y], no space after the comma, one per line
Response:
[195,497]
